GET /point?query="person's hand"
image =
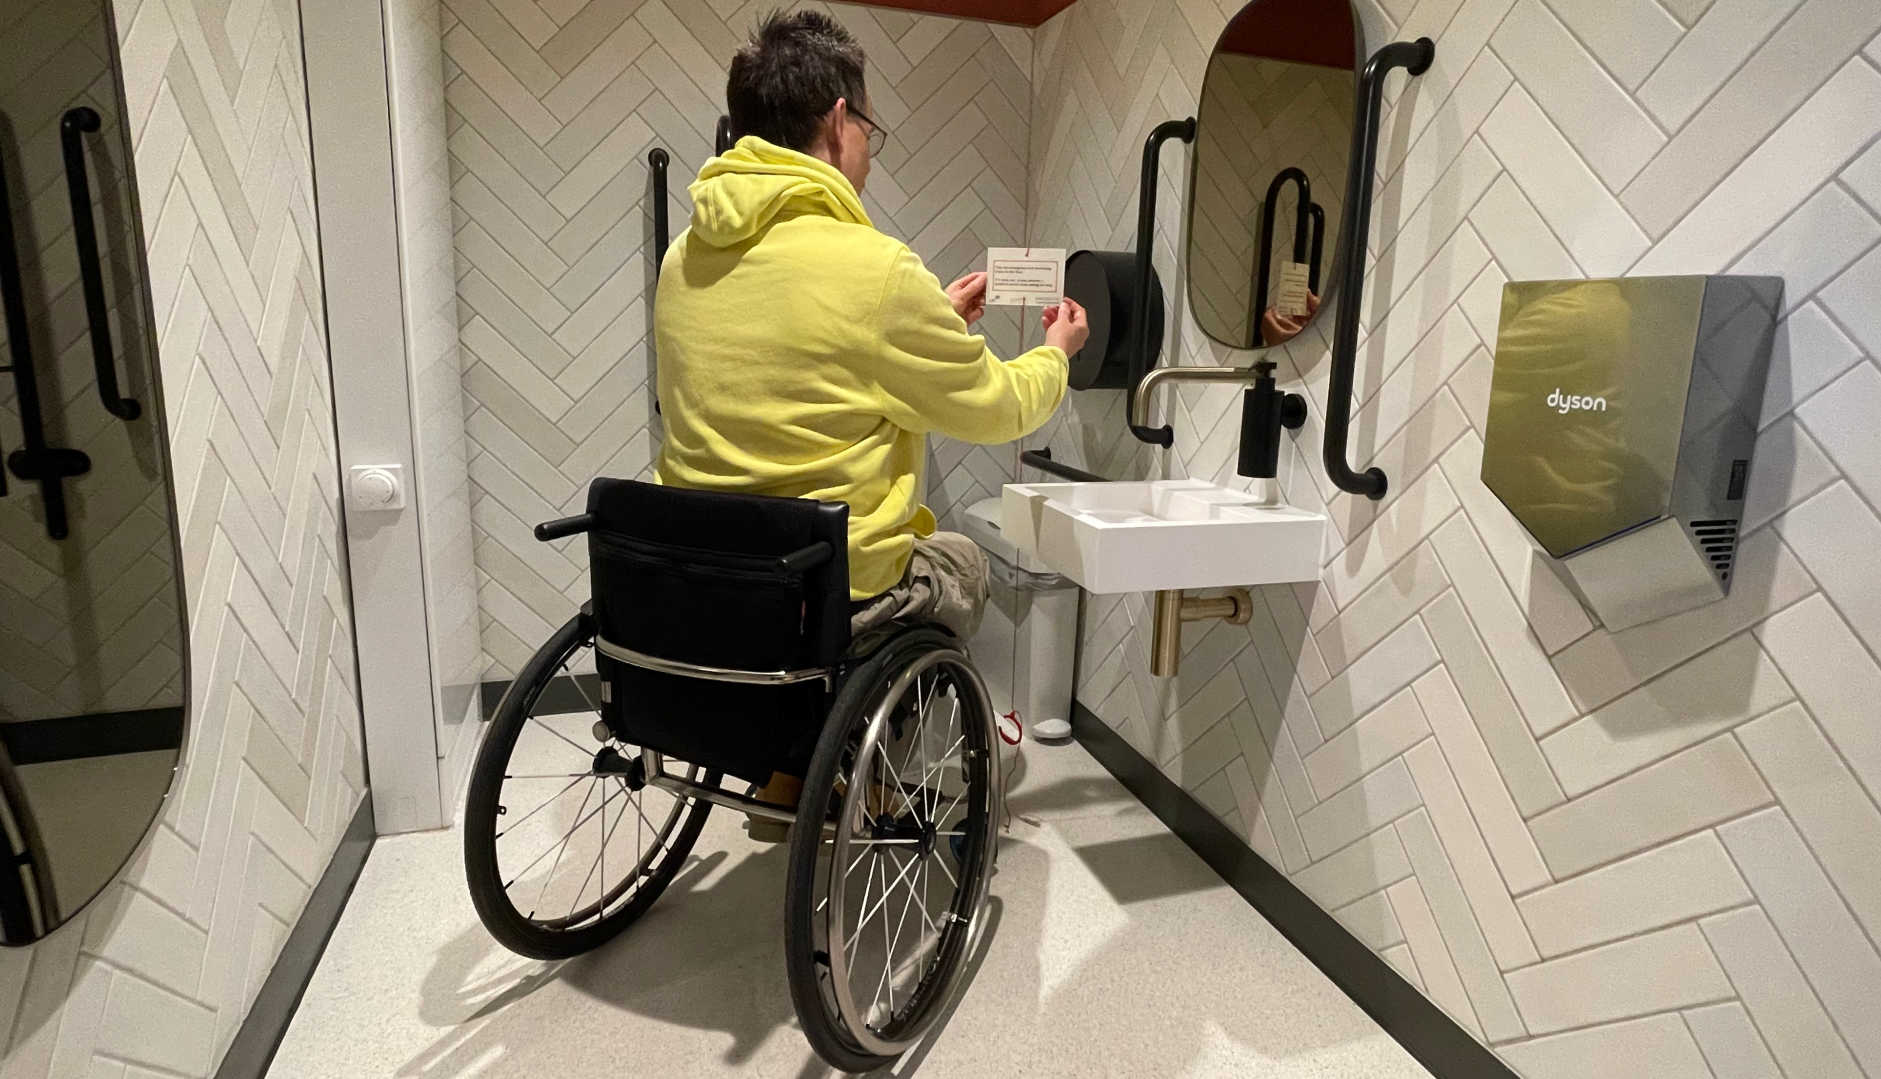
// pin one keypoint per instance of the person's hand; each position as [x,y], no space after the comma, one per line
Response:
[1278,329]
[968,295]
[1066,326]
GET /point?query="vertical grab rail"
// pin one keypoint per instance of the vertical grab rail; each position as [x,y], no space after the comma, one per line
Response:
[1145,245]
[76,124]
[1414,57]
[1318,214]
[657,160]
[36,462]
[1302,224]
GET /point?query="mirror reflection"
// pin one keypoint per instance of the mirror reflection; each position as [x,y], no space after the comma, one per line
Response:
[1274,136]
[92,636]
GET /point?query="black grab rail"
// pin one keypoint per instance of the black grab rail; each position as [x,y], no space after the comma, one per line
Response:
[36,461]
[1414,57]
[657,160]
[1140,358]
[1041,459]
[73,128]
[1302,226]
[1318,213]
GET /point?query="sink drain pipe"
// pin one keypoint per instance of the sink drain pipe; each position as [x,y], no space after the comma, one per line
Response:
[1173,608]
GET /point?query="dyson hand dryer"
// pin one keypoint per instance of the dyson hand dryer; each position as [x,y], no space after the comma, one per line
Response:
[1622,417]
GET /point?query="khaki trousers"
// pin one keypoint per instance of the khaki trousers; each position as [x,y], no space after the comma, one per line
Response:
[946,582]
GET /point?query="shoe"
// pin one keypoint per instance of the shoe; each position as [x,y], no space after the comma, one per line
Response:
[782,790]
[767,831]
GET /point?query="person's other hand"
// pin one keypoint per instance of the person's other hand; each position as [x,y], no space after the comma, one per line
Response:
[968,295]
[1278,329]
[1066,326]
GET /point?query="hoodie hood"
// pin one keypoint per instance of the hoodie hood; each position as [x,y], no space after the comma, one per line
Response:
[744,189]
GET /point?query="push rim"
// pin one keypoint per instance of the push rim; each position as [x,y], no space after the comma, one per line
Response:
[578,833]
[914,836]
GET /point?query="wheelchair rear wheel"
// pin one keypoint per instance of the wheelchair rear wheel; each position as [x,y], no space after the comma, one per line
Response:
[885,902]
[565,845]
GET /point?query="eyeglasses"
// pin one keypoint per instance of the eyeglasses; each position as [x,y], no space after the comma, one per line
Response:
[878,135]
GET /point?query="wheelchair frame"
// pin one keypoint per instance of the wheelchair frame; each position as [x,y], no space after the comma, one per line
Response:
[871,813]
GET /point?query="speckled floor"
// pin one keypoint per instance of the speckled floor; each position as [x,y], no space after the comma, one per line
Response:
[1116,952]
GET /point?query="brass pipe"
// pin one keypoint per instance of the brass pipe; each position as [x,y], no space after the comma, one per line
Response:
[1166,635]
[1173,608]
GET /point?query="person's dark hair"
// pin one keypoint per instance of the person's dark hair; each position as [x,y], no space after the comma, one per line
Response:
[789,75]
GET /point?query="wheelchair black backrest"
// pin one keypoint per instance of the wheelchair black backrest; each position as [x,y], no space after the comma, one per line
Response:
[704,578]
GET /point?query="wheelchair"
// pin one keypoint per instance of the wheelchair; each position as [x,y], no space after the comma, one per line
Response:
[719,631]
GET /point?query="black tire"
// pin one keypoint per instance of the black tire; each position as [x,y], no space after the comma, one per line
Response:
[844,1035]
[512,917]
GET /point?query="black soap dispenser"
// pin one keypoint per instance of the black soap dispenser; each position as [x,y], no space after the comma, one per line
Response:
[1265,410]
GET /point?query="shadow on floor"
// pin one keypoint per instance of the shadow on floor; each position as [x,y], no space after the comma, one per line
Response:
[1114,951]
[1146,867]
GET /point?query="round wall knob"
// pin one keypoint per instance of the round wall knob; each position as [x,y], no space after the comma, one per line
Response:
[377,487]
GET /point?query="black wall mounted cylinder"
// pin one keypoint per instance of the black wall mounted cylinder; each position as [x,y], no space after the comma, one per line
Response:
[1104,284]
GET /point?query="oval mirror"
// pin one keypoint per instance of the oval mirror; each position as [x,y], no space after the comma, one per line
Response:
[1274,134]
[93,642]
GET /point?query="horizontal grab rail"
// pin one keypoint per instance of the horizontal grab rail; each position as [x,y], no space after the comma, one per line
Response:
[1042,460]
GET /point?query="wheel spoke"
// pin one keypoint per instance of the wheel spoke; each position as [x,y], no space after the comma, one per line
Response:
[579,688]
[880,900]
[559,848]
[888,948]
[898,787]
[563,843]
[579,748]
[950,873]
[513,824]
[926,884]
[606,799]
[888,961]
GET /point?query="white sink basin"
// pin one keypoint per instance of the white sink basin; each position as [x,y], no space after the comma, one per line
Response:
[1166,534]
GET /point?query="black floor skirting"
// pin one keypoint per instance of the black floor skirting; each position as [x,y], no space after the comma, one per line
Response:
[266,1023]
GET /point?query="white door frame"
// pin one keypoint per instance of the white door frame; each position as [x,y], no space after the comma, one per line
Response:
[350,115]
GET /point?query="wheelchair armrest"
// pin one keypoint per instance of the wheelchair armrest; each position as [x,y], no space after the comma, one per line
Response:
[565,527]
[806,559]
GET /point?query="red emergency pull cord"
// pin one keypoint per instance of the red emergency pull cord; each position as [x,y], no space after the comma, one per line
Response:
[1018,734]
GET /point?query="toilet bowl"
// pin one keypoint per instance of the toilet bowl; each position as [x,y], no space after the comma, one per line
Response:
[1027,643]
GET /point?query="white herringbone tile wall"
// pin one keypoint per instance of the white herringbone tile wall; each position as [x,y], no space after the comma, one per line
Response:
[553,108]
[154,978]
[1650,853]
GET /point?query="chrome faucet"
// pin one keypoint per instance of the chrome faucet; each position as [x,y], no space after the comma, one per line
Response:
[1265,411]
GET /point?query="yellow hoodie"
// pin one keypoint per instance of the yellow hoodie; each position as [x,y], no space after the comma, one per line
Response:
[802,353]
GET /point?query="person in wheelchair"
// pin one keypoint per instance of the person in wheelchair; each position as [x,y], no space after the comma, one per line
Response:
[775,627]
[805,354]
